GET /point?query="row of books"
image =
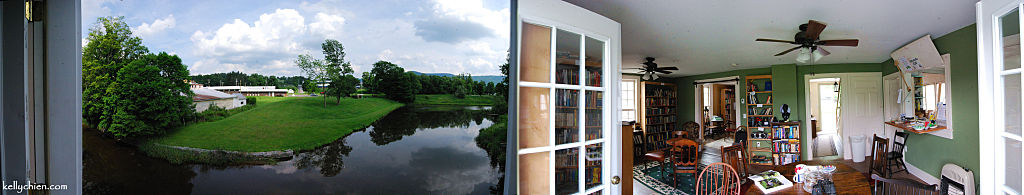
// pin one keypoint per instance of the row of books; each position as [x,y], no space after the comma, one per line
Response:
[752,99]
[786,132]
[567,98]
[566,55]
[660,91]
[593,118]
[661,127]
[656,140]
[661,119]
[785,146]
[593,77]
[760,111]
[593,176]
[593,133]
[661,111]
[595,99]
[566,118]
[566,135]
[567,75]
[653,101]
[567,157]
[781,159]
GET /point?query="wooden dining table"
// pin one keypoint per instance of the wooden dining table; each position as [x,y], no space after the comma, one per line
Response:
[846,179]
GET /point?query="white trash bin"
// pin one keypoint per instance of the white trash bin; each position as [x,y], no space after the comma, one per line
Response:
[857,147]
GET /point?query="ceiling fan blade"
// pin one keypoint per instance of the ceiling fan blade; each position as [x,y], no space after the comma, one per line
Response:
[787,51]
[668,68]
[814,29]
[776,40]
[664,72]
[823,52]
[840,42]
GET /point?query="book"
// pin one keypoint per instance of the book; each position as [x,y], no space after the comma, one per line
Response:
[770,181]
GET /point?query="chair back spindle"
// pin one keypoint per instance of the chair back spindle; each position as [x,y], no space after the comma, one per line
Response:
[718,179]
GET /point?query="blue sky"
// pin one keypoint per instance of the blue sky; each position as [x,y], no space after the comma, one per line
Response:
[452,36]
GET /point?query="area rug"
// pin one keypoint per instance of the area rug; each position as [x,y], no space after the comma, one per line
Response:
[651,175]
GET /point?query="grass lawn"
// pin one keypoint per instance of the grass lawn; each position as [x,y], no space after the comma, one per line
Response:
[280,123]
[448,99]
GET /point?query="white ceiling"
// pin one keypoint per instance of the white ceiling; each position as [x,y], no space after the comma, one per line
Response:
[707,36]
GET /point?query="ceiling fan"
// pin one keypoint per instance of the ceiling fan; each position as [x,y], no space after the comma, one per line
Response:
[807,38]
[650,68]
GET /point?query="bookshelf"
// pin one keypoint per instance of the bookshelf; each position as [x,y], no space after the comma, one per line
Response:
[658,116]
[785,142]
[758,114]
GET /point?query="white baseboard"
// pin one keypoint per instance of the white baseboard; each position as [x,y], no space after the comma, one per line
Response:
[921,174]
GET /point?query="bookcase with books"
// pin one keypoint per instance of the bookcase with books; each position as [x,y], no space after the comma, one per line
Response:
[758,116]
[785,142]
[658,118]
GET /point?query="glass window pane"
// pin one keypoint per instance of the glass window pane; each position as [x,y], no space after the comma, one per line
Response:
[1013,164]
[593,122]
[1010,39]
[629,115]
[593,166]
[567,58]
[535,53]
[567,116]
[534,129]
[1011,103]
[593,61]
[567,176]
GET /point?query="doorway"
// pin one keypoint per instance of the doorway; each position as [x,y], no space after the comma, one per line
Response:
[717,116]
[825,116]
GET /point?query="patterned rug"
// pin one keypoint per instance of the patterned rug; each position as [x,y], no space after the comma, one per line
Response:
[651,175]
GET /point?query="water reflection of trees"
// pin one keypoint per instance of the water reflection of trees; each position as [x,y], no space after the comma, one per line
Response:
[404,121]
[329,158]
[112,168]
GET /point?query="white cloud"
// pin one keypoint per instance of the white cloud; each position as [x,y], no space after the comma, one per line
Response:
[327,25]
[474,10]
[267,45]
[92,9]
[159,25]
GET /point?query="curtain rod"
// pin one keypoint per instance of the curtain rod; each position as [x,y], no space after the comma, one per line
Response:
[715,81]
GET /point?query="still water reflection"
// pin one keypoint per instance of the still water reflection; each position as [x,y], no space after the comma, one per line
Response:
[412,150]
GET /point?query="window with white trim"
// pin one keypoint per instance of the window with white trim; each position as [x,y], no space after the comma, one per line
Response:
[628,99]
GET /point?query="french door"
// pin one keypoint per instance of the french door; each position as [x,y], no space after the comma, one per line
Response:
[999,96]
[565,101]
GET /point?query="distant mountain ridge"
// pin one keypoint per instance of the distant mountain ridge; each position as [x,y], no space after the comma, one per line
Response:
[488,78]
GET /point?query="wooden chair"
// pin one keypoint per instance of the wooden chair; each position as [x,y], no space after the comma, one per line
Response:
[718,178]
[740,137]
[680,134]
[693,129]
[736,157]
[878,156]
[897,186]
[896,156]
[685,157]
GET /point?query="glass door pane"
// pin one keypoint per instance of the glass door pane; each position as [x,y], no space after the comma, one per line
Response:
[567,58]
[567,173]
[593,123]
[594,61]
[567,116]
[594,158]
[535,53]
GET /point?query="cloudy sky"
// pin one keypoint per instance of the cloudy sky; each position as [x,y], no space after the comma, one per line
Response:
[451,36]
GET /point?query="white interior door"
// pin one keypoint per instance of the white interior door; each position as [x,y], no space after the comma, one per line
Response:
[566,101]
[999,96]
[861,96]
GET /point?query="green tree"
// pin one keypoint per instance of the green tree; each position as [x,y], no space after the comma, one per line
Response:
[315,69]
[369,83]
[339,71]
[148,97]
[394,82]
[111,47]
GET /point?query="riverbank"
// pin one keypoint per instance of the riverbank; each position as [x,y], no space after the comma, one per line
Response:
[277,124]
[448,99]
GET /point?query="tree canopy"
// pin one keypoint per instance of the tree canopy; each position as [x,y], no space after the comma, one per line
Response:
[394,82]
[148,97]
[111,46]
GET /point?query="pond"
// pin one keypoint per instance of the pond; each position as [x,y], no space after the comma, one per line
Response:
[412,150]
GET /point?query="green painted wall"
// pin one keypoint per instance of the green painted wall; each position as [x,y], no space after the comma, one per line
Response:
[685,86]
